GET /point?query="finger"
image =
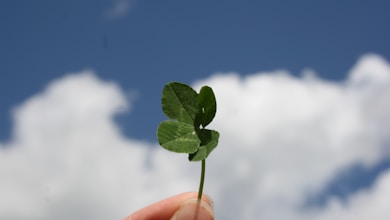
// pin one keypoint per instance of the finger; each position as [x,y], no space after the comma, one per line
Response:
[194,209]
[165,209]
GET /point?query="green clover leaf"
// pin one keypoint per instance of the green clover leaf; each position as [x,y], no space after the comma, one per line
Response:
[207,104]
[178,137]
[209,141]
[188,113]
[180,102]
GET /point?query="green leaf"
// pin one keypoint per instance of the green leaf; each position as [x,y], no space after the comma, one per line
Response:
[178,137]
[207,104]
[180,102]
[198,155]
[209,141]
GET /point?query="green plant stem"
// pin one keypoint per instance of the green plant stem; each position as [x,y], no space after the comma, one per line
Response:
[200,192]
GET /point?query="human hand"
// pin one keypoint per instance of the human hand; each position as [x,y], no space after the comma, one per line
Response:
[184,206]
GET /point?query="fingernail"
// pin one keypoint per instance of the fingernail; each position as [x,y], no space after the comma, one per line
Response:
[210,201]
[194,210]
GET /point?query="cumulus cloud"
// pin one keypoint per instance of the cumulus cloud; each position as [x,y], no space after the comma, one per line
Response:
[288,136]
[283,139]
[67,158]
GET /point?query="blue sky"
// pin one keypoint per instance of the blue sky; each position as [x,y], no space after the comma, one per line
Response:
[154,42]
[239,47]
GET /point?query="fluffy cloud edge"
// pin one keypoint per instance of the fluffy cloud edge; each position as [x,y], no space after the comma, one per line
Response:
[67,152]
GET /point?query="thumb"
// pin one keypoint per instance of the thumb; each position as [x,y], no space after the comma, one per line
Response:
[194,209]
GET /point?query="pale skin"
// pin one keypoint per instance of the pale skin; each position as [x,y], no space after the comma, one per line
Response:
[178,207]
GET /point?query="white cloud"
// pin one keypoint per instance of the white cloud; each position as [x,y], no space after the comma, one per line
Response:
[119,9]
[282,139]
[294,134]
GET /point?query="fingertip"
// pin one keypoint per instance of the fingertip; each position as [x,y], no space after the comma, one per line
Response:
[208,199]
[194,209]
